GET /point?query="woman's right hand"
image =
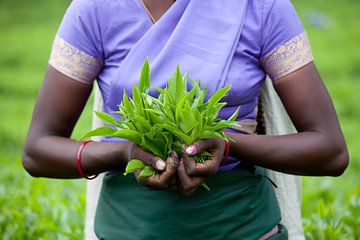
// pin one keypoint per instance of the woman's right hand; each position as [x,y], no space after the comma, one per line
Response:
[165,178]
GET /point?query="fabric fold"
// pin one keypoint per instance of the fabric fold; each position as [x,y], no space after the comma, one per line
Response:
[201,42]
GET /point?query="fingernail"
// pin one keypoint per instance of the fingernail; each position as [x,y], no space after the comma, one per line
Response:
[191,150]
[160,165]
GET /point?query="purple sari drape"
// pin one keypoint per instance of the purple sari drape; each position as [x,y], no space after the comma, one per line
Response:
[201,42]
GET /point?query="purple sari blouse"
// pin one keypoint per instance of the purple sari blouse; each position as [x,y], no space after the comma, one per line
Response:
[95,37]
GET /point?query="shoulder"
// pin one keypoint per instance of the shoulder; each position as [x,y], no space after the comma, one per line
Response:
[103,7]
[264,8]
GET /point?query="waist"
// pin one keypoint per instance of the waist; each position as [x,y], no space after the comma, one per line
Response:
[240,205]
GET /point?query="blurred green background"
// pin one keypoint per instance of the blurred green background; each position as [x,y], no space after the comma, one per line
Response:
[53,209]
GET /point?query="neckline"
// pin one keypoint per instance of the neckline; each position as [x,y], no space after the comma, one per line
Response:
[149,15]
[153,19]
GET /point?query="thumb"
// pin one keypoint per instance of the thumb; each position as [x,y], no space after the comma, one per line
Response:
[197,147]
[148,158]
[172,163]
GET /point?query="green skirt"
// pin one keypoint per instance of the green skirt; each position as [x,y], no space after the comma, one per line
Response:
[240,205]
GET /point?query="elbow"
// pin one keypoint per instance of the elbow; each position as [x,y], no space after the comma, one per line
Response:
[339,163]
[29,164]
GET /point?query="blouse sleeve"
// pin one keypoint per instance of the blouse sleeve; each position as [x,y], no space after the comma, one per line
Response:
[77,51]
[285,46]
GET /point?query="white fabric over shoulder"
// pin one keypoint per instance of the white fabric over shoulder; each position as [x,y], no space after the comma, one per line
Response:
[288,192]
[93,187]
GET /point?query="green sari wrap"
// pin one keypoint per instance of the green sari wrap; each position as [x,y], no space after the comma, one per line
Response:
[240,205]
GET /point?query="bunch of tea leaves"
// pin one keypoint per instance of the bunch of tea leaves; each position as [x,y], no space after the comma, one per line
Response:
[161,125]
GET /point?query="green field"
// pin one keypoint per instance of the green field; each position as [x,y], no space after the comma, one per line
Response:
[53,209]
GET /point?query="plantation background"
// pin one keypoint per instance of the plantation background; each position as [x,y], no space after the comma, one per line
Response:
[54,209]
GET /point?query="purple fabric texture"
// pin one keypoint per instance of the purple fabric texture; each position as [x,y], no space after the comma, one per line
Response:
[218,42]
[109,29]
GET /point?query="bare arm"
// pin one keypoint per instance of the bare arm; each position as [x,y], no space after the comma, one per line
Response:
[48,150]
[317,149]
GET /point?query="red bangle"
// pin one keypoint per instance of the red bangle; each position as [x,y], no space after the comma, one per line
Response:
[78,162]
[227,150]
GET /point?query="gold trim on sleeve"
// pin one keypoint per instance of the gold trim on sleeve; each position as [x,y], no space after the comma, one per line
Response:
[73,62]
[288,57]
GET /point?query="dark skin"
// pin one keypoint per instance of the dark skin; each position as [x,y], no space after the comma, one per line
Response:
[318,149]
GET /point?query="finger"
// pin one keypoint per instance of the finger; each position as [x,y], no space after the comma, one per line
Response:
[199,146]
[209,167]
[188,184]
[148,158]
[188,162]
[164,180]
[169,174]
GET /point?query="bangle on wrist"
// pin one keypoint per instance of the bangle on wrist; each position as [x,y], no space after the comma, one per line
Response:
[78,162]
[227,150]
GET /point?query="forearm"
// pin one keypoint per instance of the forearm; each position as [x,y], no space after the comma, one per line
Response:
[55,157]
[305,153]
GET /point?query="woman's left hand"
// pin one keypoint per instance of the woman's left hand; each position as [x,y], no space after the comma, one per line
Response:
[191,174]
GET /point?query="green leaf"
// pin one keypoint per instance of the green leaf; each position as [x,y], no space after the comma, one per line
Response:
[155,146]
[127,104]
[179,108]
[101,131]
[130,135]
[235,114]
[160,90]
[218,95]
[210,134]
[134,165]
[144,84]
[107,118]
[147,171]
[205,186]
[183,137]
[176,86]
[142,124]
[136,96]
[219,126]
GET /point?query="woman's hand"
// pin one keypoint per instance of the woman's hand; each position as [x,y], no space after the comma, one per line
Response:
[191,174]
[165,179]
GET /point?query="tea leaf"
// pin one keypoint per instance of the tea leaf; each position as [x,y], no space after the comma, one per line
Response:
[147,171]
[134,165]
[235,114]
[101,131]
[107,118]
[155,146]
[218,95]
[174,130]
[210,134]
[130,135]
[144,83]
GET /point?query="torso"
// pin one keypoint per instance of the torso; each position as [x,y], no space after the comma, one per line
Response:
[246,74]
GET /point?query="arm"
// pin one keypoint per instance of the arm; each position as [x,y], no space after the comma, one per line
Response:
[48,151]
[317,149]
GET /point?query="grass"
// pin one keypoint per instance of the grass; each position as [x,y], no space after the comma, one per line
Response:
[54,209]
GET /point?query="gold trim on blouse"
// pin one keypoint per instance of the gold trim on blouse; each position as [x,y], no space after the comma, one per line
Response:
[288,57]
[73,62]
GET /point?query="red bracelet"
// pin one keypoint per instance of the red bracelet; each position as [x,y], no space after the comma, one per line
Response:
[227,150]
[78,162]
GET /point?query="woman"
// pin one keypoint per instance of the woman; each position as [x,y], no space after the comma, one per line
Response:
[220,42]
